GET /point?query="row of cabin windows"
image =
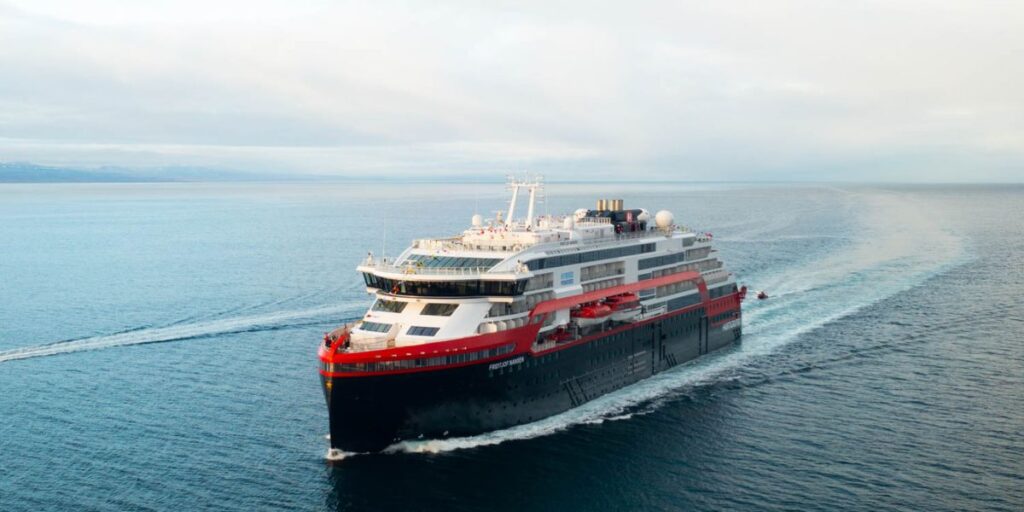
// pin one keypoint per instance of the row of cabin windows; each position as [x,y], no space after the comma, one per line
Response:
[519,305]
[602,270]
[431,261]
[540,281]
[416,330]
[677,303]
[721,291]
[397,306]
[471,288]
[659,261]
[682,302]
[423,362]
[375,327]
[698,253]
[689,300]
[587,257]
[699,266]
[674,288]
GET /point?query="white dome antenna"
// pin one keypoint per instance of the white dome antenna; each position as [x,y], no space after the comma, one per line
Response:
[664,219]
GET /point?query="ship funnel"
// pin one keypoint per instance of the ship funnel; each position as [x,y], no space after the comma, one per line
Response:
[608,205]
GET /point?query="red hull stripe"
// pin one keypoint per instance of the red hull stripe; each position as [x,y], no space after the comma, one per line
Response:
[518,335]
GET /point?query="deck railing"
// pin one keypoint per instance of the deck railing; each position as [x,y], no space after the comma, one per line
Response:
[366,346]
[413,269]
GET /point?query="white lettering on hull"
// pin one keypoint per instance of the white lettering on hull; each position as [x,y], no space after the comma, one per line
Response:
[503,364]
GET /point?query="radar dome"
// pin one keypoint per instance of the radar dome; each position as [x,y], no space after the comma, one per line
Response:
[644,216]
[579,214]
[663,219]
[478,220]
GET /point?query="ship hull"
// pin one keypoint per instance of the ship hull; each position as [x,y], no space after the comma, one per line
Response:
[369,413]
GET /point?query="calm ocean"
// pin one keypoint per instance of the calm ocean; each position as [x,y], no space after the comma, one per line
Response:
[157,352]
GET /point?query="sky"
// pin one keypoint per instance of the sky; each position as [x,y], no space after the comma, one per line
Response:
[894,90]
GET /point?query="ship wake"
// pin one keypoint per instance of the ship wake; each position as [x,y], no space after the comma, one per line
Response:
[186,331]
[898,245]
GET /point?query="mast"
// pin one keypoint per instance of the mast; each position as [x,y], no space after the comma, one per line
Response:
[515,196]
[534,187]
[529,211]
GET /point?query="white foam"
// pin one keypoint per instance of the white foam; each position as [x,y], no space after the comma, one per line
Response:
[174,332]
[899,245]
[335,455]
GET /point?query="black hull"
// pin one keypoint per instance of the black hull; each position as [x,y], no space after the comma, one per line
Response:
[369,413]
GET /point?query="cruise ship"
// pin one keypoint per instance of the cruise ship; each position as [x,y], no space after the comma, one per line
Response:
[519,318]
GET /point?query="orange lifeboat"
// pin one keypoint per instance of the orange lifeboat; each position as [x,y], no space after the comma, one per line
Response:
[624,306]
[622,301]
[591,314]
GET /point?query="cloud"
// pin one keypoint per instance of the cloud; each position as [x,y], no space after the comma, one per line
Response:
[899,90]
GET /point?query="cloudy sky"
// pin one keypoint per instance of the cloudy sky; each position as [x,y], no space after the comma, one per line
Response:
[896,90]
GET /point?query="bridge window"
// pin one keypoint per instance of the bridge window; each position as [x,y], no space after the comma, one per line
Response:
[421,331]
[375,327]
[437,309]
[460,288]
[434,261]
[391,306]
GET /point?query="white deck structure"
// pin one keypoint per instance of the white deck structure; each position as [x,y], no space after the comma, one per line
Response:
[487,278]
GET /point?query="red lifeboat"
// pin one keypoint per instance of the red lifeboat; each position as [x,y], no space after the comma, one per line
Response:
[595,310]
[625,306]
[591,314]
[623,301]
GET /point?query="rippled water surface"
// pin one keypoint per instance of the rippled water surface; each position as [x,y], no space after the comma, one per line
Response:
[157,351]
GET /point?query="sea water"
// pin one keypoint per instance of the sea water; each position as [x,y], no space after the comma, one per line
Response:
[158,352]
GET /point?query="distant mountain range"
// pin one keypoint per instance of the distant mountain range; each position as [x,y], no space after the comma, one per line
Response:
[24,172]
[21,172]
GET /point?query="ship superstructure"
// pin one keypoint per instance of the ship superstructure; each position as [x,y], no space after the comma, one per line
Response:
[516,319]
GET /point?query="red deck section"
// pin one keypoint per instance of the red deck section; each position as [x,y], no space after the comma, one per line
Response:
[524,336]
[521,336]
